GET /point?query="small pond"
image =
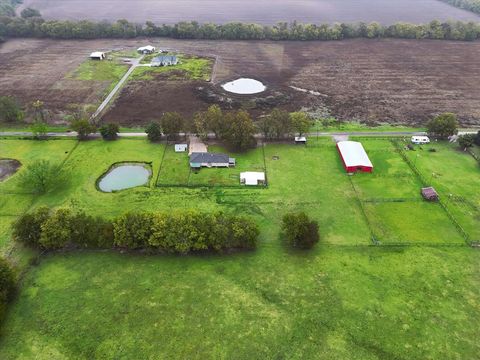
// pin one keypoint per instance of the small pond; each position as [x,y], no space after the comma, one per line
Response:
[244,86]
[124,176]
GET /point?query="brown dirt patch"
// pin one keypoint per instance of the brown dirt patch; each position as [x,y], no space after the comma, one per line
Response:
[8,167]
[263,12]
[396,81]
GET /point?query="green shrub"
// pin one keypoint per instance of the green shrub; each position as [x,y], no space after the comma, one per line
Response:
[133,230]
[83,128]
[244,233]
[109,131]
[10,111]
[91,232]
[28,228]
[57,230]
[154,131]
[466,141]
[7,286]
[300,231]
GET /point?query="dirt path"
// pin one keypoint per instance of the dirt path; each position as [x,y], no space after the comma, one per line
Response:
[135,63]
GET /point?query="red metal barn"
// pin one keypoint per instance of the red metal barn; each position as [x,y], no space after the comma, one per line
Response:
[354,157]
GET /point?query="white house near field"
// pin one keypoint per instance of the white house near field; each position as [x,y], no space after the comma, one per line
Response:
[181,148]
[149,49]
[420,140]
[252,178]
[98,55]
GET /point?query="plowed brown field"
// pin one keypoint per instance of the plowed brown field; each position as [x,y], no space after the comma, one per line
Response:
[400,81]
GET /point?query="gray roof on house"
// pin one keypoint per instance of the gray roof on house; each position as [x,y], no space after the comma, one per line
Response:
[198,158]
[164,58]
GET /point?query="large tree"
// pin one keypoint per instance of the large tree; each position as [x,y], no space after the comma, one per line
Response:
[9,110]
[208,121]
[300,231]
[301,122]
[154,131]
[240,131]
[41,176]
[443,126]
[172,124]
[109,131]
[83,128]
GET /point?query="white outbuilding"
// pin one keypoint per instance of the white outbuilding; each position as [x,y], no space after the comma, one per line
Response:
[98,55]
[181,148]
[302,140]
[149,49]
[420,140]
[252,178]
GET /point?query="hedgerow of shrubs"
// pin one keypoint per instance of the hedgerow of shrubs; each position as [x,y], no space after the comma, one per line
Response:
[178,232]
[7,286]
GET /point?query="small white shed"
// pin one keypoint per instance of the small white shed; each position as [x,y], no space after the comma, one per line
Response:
[420,140]
[98,55]
[181,148]
[149,49]
[252,178]
[302,140]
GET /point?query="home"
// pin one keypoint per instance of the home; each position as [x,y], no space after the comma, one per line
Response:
[181,148]
[420,140]
[164,60]
[149,49]
[98,55]
[252,178]
[300,140]
[354,157]
[199,160]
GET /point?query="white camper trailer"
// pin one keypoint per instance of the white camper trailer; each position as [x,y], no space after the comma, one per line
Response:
[420,140]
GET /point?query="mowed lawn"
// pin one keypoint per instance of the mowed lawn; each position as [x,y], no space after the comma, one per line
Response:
[344,299]
[456,176]
[333,302]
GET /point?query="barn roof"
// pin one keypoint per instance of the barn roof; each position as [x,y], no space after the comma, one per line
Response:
[97,54]
[354,154]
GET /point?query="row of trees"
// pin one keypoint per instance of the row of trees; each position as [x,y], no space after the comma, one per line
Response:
[35,26]
[181,231]
[470,5]
[236,129]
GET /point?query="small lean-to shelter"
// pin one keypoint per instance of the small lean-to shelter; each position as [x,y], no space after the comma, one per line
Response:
[429,194]
[354,157]
[252,178]
[98,55]
[181,148]
[300,140]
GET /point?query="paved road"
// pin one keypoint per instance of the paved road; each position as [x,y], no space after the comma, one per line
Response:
[312,134]
[135,62]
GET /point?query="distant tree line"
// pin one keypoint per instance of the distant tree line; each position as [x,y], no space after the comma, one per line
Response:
[180,231]
[33,25]
[470,5]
